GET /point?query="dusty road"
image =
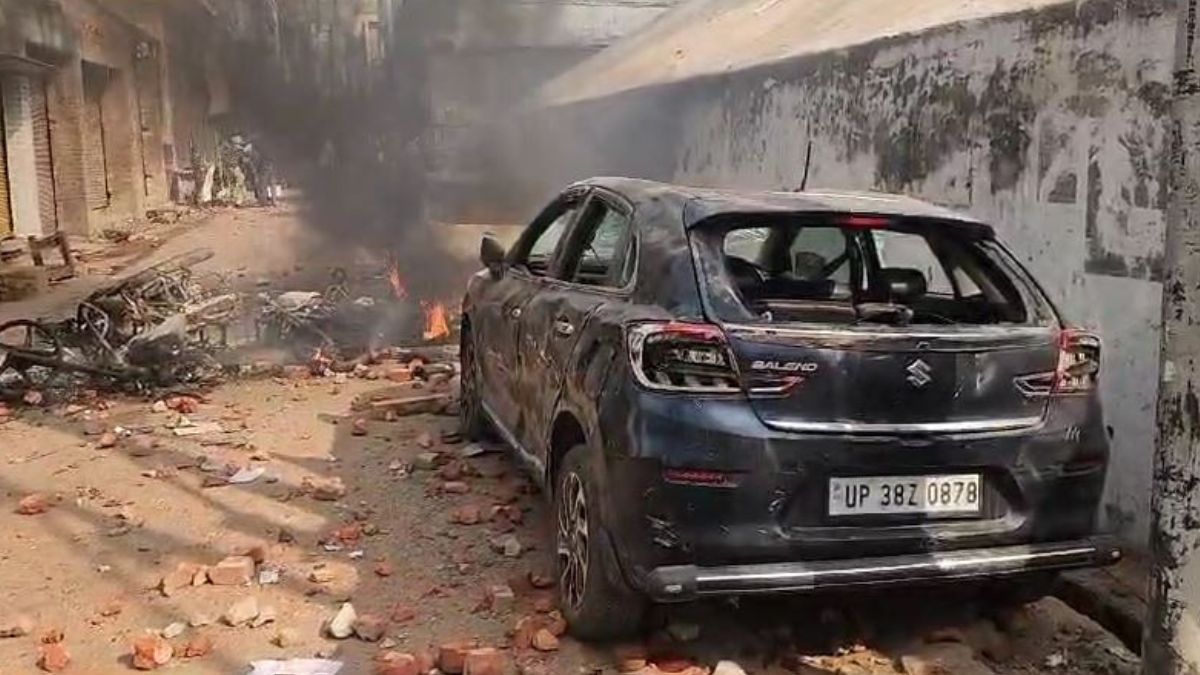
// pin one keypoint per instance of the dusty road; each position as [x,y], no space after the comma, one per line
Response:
[126,510]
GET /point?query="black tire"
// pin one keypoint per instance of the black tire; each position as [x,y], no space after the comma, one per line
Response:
[472,421]
[593,595]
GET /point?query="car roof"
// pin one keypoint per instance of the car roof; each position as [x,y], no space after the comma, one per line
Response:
[701,204]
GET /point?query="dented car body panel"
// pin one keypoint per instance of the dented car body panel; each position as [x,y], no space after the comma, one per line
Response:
[723,438]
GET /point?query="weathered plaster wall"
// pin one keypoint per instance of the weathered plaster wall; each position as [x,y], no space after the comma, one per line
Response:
[1050,123]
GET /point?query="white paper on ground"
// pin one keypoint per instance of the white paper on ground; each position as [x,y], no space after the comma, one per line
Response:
[296,667]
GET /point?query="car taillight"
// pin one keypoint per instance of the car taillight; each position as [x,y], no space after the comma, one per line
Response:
[685,357]
[1078,367]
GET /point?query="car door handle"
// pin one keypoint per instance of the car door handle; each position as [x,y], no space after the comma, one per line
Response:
[564,328]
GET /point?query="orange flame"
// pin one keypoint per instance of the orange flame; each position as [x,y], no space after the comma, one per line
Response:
[399,291]
[437,326]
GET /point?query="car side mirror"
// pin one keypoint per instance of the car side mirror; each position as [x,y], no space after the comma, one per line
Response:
[491,254]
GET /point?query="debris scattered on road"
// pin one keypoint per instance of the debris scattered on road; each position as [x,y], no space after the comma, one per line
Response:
[151,651]
[53,657]
[246,476]
[241,612]
[296,667]
[341,626]
[33,504]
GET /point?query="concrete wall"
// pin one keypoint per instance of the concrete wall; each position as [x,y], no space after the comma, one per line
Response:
[1050,123]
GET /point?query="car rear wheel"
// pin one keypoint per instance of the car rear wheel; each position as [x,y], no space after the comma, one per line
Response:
[472,421]
[594,597]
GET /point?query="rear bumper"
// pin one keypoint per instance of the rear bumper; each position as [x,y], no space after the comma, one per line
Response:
[686,582]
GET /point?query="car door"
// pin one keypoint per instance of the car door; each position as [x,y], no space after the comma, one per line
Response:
[595,268]
[501,305]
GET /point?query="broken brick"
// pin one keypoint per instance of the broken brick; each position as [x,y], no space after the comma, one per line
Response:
[53,658]
[183,575]
[545,641]
[107,440]
[242,611]
[33,504]
[359,427]
[370,628]
[452,657]
[236,570]
[327,489]
[426,461]
[456,487]
[150,652]
[347,534]
[500,598]
[395,663]
[556,624]
[198,646]
[485,661]
[402,613]
[183,404]
[467,514]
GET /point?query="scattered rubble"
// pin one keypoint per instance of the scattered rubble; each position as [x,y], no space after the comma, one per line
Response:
[235,570]
[151,651]
[33,505]
[341,626]
[53,657]
[241,612]
[369,627]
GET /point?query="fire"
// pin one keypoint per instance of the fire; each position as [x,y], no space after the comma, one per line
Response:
[437,326]
[395,280]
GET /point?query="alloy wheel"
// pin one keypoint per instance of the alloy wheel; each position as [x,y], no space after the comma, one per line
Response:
[573,540]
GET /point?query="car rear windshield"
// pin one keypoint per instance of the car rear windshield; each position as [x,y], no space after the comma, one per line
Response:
[849,271]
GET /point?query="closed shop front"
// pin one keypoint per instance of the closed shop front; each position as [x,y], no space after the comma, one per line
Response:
[6,224]
[95,162]
[42,157]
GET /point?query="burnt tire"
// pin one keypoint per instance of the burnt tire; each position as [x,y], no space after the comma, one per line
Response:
[472,422]
[592,592]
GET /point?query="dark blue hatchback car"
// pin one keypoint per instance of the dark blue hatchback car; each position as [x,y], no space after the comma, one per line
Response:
[729,393]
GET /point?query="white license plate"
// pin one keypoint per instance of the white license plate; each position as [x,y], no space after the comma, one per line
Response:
[883,495]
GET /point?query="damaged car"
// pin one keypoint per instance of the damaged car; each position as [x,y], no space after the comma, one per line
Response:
[730,393]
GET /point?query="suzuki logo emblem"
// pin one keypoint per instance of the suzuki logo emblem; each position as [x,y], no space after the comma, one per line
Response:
[919,373]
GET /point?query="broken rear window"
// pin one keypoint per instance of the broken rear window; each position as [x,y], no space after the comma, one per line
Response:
[852,270]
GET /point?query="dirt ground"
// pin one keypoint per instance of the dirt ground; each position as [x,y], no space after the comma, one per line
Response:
[121,518]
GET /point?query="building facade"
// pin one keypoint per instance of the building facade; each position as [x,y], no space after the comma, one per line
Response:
[101,110]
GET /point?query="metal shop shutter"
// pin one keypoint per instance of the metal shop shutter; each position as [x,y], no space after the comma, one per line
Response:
[42,156]
[6,223]
[95,166]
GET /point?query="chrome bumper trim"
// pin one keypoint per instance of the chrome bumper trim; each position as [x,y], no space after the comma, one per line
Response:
[688,581]
[963,427]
